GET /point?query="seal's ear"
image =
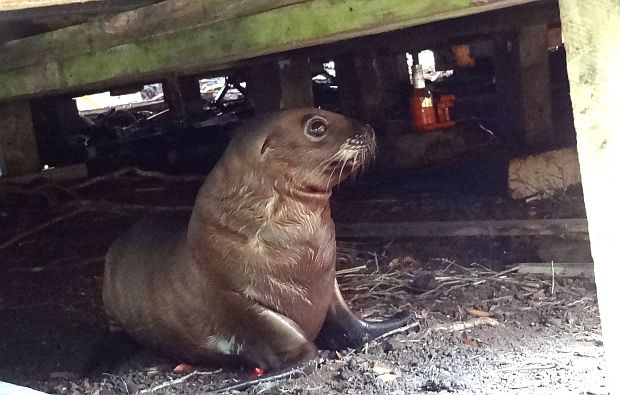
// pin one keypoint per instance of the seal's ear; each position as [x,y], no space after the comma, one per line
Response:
[265,145]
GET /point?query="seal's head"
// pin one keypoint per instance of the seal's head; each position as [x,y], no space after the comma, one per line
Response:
[312,148]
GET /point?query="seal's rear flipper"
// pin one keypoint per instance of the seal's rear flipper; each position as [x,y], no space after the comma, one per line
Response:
[343,329]
[115,349]
[294,372]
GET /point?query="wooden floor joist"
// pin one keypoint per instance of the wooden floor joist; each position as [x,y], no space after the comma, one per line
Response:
[536,227]
[11,5]
[101,52]
[557,269]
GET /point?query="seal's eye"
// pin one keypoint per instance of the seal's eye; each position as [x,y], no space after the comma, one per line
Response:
[316,128]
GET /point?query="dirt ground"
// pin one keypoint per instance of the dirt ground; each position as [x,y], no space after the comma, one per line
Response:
[477,326]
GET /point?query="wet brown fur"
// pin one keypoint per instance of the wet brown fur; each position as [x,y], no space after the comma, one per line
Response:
[252,277]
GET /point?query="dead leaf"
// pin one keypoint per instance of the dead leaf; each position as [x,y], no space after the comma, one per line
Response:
[182,368]
[408,260]
[387,377]
[381,368]
[538,295]
[152,372]
[470,343]
[394,262]
[425,314]
[478,313]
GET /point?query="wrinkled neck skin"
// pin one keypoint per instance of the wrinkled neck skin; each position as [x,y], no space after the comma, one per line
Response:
[245,195]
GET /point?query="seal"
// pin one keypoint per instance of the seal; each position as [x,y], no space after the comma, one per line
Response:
[250,277]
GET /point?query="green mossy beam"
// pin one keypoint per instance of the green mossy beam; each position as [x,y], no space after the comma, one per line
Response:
[211,46]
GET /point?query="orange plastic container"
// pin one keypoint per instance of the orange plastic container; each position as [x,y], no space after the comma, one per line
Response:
[422,109]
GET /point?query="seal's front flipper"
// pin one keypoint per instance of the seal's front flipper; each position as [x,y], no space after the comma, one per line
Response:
[301,369]
[343,329]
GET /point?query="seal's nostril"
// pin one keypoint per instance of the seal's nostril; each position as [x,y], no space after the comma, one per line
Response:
[369,131]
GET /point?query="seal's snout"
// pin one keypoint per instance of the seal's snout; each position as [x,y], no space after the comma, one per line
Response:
[369,132]
[364,138]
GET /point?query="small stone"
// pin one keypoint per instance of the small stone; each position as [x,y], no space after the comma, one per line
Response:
[345,374]
[62,375]
[498,315]
[376,349]
[392,345]
[152,372]
[182,368]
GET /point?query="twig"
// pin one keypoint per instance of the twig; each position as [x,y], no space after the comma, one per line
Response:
[531,366]
[104,177]
[512,269]
[582,300]
[179,380]
[82,206]
[139,172]
[552,278]
[52,265]
[461,326]
[399,330]
[105,205]
[350,270]
[42,226]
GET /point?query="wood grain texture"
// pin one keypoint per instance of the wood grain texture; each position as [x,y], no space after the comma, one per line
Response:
[540,227]
[202,40]
[591,36]
[12,5]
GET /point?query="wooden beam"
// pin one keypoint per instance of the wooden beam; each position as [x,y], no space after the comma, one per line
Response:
[44,10]
[128,27]
[12,5]
[557,269]
[591,36]
[540,227]
[296,83]
[19,153]
[79,59]
[263,87]
[453,30]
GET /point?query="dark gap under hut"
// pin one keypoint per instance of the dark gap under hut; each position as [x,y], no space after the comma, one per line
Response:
[470,215]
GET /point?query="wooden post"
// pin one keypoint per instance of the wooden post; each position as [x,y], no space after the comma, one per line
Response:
[190,94]
[285,84]
[591,37]
[18,146]
[370,84]
[264,87]
[524,87]
[173,96]
[182,95]
[296,83]
[348,89]
[55,119]
[535,86]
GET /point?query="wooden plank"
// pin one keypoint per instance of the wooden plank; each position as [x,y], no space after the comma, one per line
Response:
[540,227]
[199,46]
[12,5]
[66,173]
[71,9]
[557,269]
[591,37]
[535,86]
[128,27]
[19,153]
[295,83]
